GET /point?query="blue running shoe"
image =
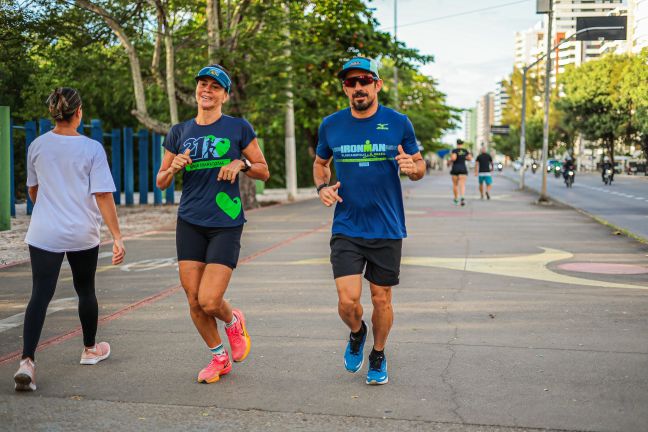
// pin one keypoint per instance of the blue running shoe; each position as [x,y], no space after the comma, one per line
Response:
[377,370]
[353,356]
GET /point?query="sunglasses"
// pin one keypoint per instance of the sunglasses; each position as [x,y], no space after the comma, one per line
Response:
[364,80]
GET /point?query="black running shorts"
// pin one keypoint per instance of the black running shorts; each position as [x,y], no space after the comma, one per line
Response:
[382,257]
[208,245]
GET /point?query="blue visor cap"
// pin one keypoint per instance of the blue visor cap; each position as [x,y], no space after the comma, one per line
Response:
[217,74]
[359,63]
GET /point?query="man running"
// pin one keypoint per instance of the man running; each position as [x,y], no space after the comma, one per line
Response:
[371,145]
[483,170]
[459,172]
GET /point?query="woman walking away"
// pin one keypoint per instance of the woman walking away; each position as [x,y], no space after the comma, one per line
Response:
[69,181]
[210,150]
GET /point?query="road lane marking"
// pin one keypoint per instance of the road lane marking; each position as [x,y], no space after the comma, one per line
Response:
[54,306]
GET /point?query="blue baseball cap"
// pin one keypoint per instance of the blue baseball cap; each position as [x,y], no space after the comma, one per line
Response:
[217,74]
[360,63]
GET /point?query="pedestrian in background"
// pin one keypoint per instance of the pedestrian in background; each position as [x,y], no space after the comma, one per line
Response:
[459,172]
[71,186]
[483,171]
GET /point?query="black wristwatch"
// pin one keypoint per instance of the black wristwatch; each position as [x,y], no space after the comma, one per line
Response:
[247,164]
[320,187]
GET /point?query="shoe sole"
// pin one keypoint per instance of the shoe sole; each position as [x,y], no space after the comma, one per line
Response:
[217,377]
[95,360]
[248,341]
[374,382]
[24,383]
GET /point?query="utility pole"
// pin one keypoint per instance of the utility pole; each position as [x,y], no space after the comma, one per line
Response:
[523,127]
[396,101]
[289,140]
[545,132]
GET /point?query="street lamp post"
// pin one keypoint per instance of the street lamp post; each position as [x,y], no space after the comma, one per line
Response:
[545,130]
[545,134]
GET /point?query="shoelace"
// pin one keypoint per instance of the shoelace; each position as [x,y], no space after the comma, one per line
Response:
[237,332]
[375,363]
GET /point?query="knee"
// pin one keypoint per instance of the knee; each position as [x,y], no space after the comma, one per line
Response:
[348,305]
[211,306]
[381,300]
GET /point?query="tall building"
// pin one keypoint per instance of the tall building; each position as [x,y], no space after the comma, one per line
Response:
[564,25]
[529,45]
[637,25]
[501,98]
[485,118]
[470,125]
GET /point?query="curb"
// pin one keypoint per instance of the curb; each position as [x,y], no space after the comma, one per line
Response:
[598,219]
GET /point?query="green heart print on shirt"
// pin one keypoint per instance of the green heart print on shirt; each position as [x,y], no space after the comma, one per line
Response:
[222,145]
[231,207]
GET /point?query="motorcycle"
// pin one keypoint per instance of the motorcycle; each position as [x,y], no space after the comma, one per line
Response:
[557,171]
[500,167]
[569,179]
[534,167]
[608,177]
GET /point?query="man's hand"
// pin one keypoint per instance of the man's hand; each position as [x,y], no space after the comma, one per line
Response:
[180,161]
[405,162]
[329,195]
[230,171]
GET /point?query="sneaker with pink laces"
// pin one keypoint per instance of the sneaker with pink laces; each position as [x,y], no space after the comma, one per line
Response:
[218,366]
[91,356]
[239,338]
[25,378]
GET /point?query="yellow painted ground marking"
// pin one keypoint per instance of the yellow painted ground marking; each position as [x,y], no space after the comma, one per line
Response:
[526,267]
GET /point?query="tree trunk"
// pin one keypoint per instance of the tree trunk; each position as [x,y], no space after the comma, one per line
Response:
[140,111]
[213,31]
[248,192]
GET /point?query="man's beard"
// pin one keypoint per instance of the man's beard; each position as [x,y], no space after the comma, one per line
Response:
[361,106]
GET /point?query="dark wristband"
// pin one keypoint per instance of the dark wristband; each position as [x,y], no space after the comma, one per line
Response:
[320,187]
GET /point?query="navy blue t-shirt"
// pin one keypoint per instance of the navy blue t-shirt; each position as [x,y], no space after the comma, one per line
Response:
[363,151]
[205,200]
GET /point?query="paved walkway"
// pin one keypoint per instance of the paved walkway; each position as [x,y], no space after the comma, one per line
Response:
[502,324]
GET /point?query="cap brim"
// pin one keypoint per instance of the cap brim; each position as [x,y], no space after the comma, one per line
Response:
[343,72]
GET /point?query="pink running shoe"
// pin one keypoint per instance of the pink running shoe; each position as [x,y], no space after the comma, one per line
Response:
[25,377]
[101,351]
[239,338]
[219,365]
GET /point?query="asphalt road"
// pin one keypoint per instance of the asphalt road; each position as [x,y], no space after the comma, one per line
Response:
[624,203]
[507,318]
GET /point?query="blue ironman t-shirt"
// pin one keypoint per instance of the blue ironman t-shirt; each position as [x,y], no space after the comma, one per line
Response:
[363,151]
[206,201]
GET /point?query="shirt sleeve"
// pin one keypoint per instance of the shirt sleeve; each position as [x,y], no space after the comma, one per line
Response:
[323,149]
[171,141]
[32,178]
[409,138]
[247,134]
[100,176]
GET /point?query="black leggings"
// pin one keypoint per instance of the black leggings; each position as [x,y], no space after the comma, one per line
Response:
[45,272]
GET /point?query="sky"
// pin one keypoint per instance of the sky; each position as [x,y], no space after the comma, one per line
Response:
[471,51]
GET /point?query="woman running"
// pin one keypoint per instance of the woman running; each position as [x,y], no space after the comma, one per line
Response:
[211,150]
[69,181]
[459,171]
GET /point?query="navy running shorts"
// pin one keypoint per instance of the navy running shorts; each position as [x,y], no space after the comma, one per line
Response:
[208,245]
[381,257]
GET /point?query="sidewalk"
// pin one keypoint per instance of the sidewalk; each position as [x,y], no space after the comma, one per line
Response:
[509,317]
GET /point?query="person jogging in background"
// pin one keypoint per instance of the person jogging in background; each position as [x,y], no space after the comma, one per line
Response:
[70,183]
[371,146]
[211,150]
[459,172]
[483,171]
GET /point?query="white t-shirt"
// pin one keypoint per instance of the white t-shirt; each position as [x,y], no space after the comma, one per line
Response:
[68,171]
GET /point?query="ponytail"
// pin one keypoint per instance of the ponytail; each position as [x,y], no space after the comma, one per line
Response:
[63,103]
